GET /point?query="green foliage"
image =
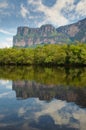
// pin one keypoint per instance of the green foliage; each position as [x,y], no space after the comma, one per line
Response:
[14,56]
[47,54]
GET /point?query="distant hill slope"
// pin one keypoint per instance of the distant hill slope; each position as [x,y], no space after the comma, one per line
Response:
[76,31]
[48,34]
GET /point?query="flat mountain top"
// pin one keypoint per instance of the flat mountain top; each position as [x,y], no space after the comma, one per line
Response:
[49,34]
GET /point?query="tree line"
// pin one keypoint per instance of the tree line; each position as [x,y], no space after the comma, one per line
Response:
[49,54]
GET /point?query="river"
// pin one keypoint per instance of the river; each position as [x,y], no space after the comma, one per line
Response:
[37,98]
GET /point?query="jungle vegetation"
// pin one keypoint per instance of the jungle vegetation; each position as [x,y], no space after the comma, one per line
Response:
[49,54]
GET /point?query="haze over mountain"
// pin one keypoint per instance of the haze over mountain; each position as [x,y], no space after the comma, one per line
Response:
[49,34]
[35,13]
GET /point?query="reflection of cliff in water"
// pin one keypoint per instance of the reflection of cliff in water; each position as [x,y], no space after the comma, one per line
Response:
[26,89]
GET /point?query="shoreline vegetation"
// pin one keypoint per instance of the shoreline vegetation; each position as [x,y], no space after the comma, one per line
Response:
[47,55]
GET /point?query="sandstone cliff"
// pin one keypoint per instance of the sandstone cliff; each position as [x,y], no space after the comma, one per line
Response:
[31,36]
[48,34]
[75,31]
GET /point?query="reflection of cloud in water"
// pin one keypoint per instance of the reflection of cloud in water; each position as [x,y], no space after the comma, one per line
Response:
[64,114]
[6,83]
[6,89]
[61,112]
[21,111]
[4,94]
[32,113]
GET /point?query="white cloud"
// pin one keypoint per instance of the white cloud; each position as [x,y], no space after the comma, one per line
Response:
[6,43]
[81,7]
[9,41]
[5,32]
[24,11]
[6,38]
[54,13]
[3,5]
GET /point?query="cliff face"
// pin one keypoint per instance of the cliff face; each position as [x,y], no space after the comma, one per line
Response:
[76,31]
[48,34]
[31,36]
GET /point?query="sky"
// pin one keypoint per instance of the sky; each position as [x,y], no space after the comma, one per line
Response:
[34,13]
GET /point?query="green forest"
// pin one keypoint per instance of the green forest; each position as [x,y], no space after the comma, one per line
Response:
[49,54]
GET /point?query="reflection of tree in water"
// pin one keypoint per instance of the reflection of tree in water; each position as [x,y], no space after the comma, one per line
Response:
[47,83]
[48,76]
[73,74]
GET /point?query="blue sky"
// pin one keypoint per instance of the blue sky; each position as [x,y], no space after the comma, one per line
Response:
[34,13]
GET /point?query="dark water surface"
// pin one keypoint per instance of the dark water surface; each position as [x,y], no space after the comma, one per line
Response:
[34,98]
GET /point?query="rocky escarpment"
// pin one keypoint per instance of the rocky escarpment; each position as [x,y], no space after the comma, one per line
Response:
[31,36]
[75,32]
[48,34]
